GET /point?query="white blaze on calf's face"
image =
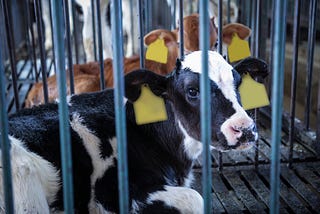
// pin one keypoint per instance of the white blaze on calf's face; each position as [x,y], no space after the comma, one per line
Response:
[221,73]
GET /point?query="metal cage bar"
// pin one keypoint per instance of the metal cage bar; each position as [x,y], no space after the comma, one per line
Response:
[311,41]
[141,32]
[181,36]
[5,145]
[11,47]
[65,144]
[69,48]
[294,72]
[100,46]
[205,108]
[116,20]
[277,95]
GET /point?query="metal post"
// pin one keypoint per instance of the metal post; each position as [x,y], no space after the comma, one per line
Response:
[277,101]
[141,33]
[65,144]
[94,30]
[116,20]
[205,108]
[100,47]
[295,40]
[11,47]
[5,145]
[181,44]
[33,46]
[69,48]
[173,14]
[75,31]
[220,15]
[37,8]
[311,38]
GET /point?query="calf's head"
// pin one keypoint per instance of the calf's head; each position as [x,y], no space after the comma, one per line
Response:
[232,128]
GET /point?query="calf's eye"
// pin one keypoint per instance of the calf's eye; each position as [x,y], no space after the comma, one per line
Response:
[193,92]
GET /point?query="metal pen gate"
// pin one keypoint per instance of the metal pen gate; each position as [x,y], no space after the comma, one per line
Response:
[284,133]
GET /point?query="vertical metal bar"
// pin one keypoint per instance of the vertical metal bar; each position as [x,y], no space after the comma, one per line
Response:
[132,25]
[50,13]
[181,45]
[257,28]
[294,71]
[311,38]
[65,144]
[220,15]
[5,144]
[205,108]
[271,46]
[116,20]
[100,47]
[253,26]
[94,30]
[75,31]
[317,145]
[256,54]
[33,46]
[12,49]
[173,14]
[37,8]
[277,101]
[141,32]
[69,48]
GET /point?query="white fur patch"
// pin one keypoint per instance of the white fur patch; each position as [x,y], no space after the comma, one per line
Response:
[192,147]
[184,199]
[92,144]
[35,181]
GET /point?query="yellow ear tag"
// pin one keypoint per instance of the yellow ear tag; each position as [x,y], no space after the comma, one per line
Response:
[238,49]
[149,108]
[252,93]
[157,51]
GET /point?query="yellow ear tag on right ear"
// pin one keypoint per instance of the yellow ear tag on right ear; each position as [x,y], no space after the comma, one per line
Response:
[149,108]
[157,51]
[238,49]
[252,93]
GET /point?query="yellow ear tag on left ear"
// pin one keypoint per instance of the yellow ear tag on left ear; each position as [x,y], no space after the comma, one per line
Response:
[252,93]
[238,49]
[157,51]
[149,108]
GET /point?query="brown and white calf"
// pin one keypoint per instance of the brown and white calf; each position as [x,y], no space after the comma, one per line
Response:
[160,155]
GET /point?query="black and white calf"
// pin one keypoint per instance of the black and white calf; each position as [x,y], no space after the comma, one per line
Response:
[160,155]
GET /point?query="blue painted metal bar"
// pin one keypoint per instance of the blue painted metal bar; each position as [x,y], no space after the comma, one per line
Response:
[271,46]
[94,30]
[294,72]
[253,26]
[100,46]
[75,30]
[5,144]
[50,11]
[205,108]
[65,143]
[173,14]
[220,15]
[32,46]
[116,20]
[38,12]
[141,32]
[277,101]
[69,48]
[181,42]
[132,24]
[11,49]
[311,38]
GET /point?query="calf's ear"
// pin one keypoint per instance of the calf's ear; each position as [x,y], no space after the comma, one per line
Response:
[254,66]
[135,79]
